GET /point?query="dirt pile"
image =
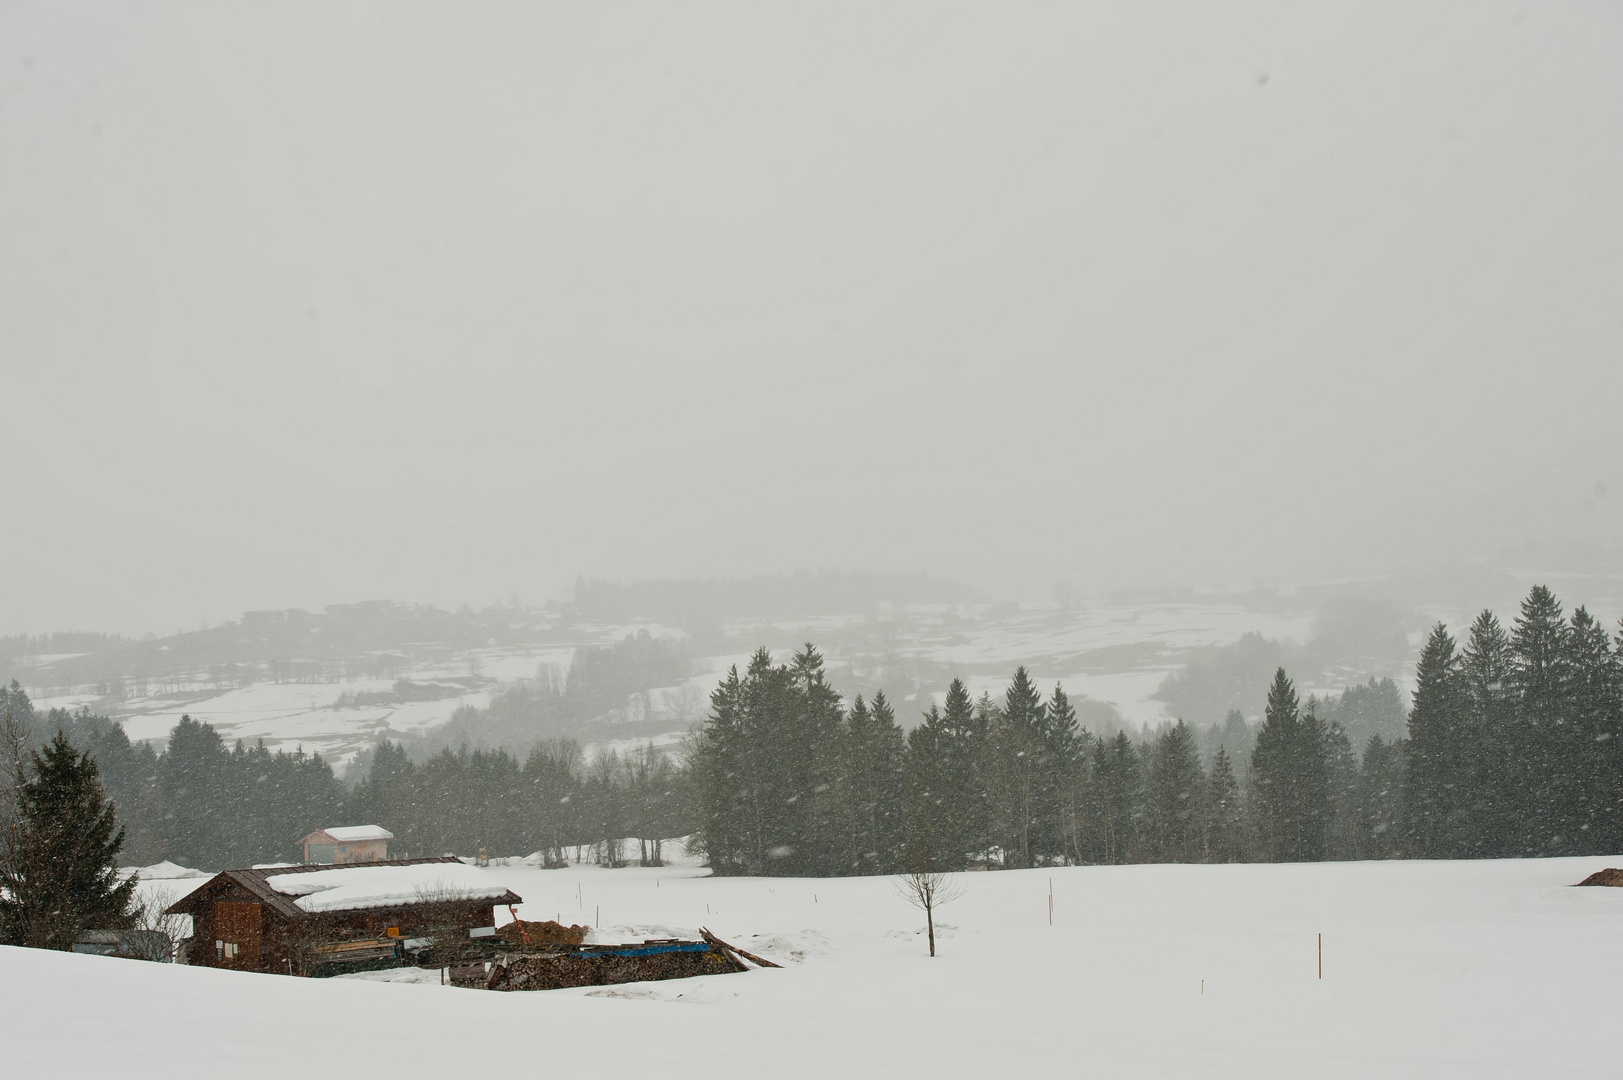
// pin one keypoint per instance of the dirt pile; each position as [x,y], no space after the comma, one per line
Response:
[549,932]
[1609,876]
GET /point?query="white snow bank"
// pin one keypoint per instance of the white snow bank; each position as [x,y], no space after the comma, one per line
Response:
[1485,970]
[165,871]
[363,886]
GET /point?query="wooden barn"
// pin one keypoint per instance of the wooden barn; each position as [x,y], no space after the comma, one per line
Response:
[316,919]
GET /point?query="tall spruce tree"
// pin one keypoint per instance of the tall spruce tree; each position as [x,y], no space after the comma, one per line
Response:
[1064,778]
[1342,834]
[1498,786]
[1224,812]
[1117,791]
[1310,780]
[947,805]
[871,787]
[59,873]
[1173,797]
[812,736]
[1380,799]
[1275,793]
[1540,680]
[1434,776]
[1595,705]
[196,782]
[1022,755]
[727,792]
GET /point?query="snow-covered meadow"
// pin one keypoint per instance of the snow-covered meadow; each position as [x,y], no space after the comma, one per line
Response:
[1431,969]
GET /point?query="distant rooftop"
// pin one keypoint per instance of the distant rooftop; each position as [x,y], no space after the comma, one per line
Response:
[350,834]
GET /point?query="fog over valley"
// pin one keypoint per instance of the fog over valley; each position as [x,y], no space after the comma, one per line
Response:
[781,538]
[1128,297]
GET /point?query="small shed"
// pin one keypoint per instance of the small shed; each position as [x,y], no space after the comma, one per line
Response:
[347,844]
[303,920]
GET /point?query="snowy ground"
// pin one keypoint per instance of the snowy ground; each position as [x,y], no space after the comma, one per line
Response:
[1481,969]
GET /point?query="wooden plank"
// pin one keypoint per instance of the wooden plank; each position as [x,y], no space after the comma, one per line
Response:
[720,944]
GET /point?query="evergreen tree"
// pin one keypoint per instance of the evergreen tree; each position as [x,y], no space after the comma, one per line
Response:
[1022,764]
[1498,786]
[1540,679]
[1379,800]
[196,783]
[1375,708]
[1224,814]
[871,787]
[1234,736]
[1273,775]
[59,873]
[726,793]
[1310,783]
[946,804]
[1064,779]
[1117,800]
[1342,834]
[128,771]
[1434,775]
[767,764]
[1590,736]
[1538,670]
[812,739]
[1173,810]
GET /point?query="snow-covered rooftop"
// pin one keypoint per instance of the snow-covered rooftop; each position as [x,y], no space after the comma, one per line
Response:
[349,834]
[362,885]
[165,871]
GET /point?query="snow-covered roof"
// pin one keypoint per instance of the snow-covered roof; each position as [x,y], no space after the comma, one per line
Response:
[364,885]
[165,871]
[349,834]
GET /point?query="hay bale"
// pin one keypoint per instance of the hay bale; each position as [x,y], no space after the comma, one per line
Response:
[1610,876]
[541,933]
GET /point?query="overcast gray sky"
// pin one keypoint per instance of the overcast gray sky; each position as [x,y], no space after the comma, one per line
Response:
[304,304]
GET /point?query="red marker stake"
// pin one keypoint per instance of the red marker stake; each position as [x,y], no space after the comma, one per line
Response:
[1321,956]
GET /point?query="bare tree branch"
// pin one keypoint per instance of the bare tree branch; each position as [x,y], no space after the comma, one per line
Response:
[928,890]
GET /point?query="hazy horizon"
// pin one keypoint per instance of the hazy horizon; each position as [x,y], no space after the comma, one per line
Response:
[304,305]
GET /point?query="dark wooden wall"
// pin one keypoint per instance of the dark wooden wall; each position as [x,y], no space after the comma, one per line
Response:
[283,941]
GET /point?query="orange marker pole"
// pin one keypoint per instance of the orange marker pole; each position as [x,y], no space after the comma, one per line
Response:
[1321,956]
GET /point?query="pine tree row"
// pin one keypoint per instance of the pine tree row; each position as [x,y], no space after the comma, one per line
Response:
[204,804]
[1515,748]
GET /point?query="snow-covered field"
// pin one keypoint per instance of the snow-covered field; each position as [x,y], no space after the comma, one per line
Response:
[1471,969]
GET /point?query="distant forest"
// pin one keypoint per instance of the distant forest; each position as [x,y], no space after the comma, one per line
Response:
[1511,748]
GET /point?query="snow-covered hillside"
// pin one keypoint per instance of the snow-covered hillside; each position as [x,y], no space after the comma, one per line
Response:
[1115,655]
[1479,969]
